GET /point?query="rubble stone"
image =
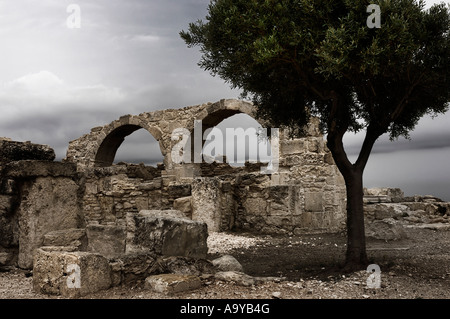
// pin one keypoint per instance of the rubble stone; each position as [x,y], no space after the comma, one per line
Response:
[227,263]
[172,283]
[239,278]
[386,229]
[165,233]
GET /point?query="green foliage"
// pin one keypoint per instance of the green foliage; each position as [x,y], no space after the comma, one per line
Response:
[297,58]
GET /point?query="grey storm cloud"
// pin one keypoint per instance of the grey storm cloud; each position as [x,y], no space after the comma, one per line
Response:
[127,58]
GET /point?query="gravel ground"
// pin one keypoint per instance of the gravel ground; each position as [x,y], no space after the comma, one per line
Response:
[308,267]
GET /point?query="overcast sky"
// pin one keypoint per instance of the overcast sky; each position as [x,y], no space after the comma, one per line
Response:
[58,82]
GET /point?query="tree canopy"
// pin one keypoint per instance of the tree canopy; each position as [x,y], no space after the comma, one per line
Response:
[295,57]
[301,58]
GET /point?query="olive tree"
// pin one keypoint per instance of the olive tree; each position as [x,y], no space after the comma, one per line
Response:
[373,66]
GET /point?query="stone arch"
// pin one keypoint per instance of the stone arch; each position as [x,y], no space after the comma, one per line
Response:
[115,135]
[213,114]
[219,111]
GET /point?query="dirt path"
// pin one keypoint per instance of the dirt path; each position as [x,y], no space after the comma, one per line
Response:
[416,267]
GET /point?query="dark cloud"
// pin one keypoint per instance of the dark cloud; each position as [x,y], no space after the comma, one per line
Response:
[127,58]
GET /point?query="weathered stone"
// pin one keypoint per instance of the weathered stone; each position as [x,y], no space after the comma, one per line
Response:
[437,226]
[133,267]
[313,202]
[183,205]
[185,266]
[383,211]
[172,283]
[165,233]
[46,207]
[239,278]
[67,237]
[227,263]
[11,151]
[221,204]
[6,258]
[28,168]
[206,203]
[386,229]
[107,240]
[384,194]
[70,274]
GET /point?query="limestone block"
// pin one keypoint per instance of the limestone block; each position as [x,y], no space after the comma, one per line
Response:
[15,151]
[184,205]
[256,206]
[206,206]
[313,201]
[107,240]
[389,210]
[30,168]
[45,208]
[8,226]
[239,278]
[167,233]
[67,237]
[289,147]
[386,229]
[177,191]
[172,283]
[70,274]
[391,194]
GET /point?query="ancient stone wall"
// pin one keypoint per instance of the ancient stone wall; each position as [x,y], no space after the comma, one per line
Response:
[307,193]
[86,203]
[37,196]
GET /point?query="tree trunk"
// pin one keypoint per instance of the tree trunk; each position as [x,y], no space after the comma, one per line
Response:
[356,257]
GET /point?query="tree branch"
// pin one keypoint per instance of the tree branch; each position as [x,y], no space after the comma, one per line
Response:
[371,136]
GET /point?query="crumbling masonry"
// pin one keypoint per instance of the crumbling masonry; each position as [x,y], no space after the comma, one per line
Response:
[85,204]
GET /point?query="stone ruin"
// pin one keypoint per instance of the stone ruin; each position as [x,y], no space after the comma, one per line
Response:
[89,224]
[388,213]
[121,223]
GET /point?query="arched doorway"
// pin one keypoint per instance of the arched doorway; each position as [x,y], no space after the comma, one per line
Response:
[107,152]
[139,147]
[240,138]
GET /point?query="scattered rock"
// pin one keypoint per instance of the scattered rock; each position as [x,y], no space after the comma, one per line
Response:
[437,226]
[276,295]
[185,266]
[227,263]
[239,278]
[386,229]
[172,283]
